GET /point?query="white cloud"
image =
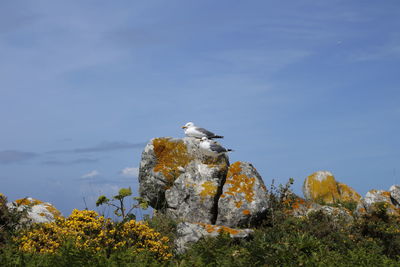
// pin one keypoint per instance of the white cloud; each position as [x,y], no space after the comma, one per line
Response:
[130,172]
[91,174]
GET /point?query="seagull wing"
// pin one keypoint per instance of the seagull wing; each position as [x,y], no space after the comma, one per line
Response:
[205,132]
[217,148]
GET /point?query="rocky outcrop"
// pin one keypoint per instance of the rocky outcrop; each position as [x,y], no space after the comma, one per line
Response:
[244,196]
[322,186]
[369,203]
[38,211]
[395,195]
[299,207]
[175,177]
[189,233]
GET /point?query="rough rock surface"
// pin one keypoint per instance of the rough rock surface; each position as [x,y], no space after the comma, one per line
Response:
[244,196]
[300,207]
[367,204]
[322,186]
[38,212]
[395,194]
[189,233]
[177,178]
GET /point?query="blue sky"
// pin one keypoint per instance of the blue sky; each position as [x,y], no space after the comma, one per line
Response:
[294,86]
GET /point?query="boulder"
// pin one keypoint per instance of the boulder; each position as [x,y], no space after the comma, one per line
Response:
[38,211]
[244,196]
[189,233]
[177,178]
[299,207]
[322,186]
[372,198]
[395,194]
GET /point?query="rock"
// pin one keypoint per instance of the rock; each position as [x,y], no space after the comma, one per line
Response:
[395,194]
[373,197]
[189,233]
[175,177]
[244,196]
[347,194]
[299,207]
[38,211]
[322,186]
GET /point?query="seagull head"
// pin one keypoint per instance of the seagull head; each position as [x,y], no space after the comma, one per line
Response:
[187,125]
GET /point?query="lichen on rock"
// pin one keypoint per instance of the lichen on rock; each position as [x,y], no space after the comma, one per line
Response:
[38,211]
[244,198]
[189,233]
[322,186]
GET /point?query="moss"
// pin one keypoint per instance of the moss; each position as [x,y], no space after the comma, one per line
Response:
[209,189]
[170,156]
[239,182]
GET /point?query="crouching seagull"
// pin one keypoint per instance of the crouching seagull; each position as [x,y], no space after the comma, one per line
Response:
[193,131]
[212,148]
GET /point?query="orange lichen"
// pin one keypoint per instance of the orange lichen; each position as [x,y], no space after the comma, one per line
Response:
[28,201]
[239,182]
[209,189]
[42,214]
[218,228]
[347,193]
[171,155]
[324,189]
[246,212]
[238,204]
[53,210]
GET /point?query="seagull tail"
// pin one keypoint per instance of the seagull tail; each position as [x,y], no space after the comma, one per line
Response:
[217,136]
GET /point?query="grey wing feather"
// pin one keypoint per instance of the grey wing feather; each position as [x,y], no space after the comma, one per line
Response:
[206,132]
[217,148]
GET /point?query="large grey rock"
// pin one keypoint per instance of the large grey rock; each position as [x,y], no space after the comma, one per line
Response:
[244,196]
[190,233]
[38,211]
[373,197]
[177,178]
[395,194]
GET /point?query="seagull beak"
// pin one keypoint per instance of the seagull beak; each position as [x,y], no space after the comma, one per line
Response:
[184,127]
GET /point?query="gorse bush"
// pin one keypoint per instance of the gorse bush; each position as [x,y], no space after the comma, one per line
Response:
[89,231]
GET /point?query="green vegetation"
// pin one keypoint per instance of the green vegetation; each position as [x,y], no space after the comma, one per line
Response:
[279,240]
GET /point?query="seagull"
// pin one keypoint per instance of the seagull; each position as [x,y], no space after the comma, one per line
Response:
[212,148]
[193,131]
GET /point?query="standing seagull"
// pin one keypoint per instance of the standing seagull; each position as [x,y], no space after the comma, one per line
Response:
[193,131]
[212,148]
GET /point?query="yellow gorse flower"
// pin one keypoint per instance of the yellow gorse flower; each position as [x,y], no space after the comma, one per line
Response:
[87,230]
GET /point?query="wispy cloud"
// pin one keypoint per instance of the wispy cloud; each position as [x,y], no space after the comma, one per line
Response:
[130,172]
[70,162]
[91,174]
[15,156]
[102,147]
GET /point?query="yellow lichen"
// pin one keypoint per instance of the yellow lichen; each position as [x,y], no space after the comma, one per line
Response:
[347,193]
[238,204]
[239,182]
[218,228]
[27,201]
[209,189]
[171,155]
[53,210]
[325,189]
